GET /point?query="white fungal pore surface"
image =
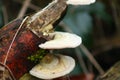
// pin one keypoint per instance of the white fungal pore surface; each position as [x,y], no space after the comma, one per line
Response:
[80,2]
[62,40]
[65,65]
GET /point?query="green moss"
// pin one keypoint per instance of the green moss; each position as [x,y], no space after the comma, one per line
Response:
[38,56]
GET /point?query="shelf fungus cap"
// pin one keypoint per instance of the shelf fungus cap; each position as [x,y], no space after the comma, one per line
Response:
[61,65]
[61,40]
[80,2]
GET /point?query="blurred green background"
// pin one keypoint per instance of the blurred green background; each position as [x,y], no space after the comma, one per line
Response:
[98,24]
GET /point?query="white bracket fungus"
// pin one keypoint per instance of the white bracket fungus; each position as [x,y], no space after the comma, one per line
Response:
[58,67]
[80,2]
[62,40]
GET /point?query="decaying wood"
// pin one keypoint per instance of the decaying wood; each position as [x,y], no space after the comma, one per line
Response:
[5,74]
[28,38]
[112,74]
[49,15]
[25,44]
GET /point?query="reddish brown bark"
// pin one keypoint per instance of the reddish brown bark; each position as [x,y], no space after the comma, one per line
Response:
[25,44]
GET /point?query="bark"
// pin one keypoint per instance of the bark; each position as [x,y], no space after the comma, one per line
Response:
[29,37]
[112,74]
[25,44]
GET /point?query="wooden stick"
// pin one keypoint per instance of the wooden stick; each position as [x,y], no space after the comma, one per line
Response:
[112,74]
[81,61]
[92,59]
[5,15]
[32,6]
[24,8]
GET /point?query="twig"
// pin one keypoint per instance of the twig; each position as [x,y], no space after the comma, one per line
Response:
[81,61]
[5,15]
[65,27]
[115,15]
[92,59]
[32,6]
[24,8]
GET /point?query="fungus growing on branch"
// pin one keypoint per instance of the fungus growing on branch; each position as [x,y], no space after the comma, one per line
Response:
[62,40]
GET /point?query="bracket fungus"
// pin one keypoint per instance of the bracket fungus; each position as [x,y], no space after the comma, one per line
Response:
[60,65]
[80,2]
[61,40]
[56,65]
